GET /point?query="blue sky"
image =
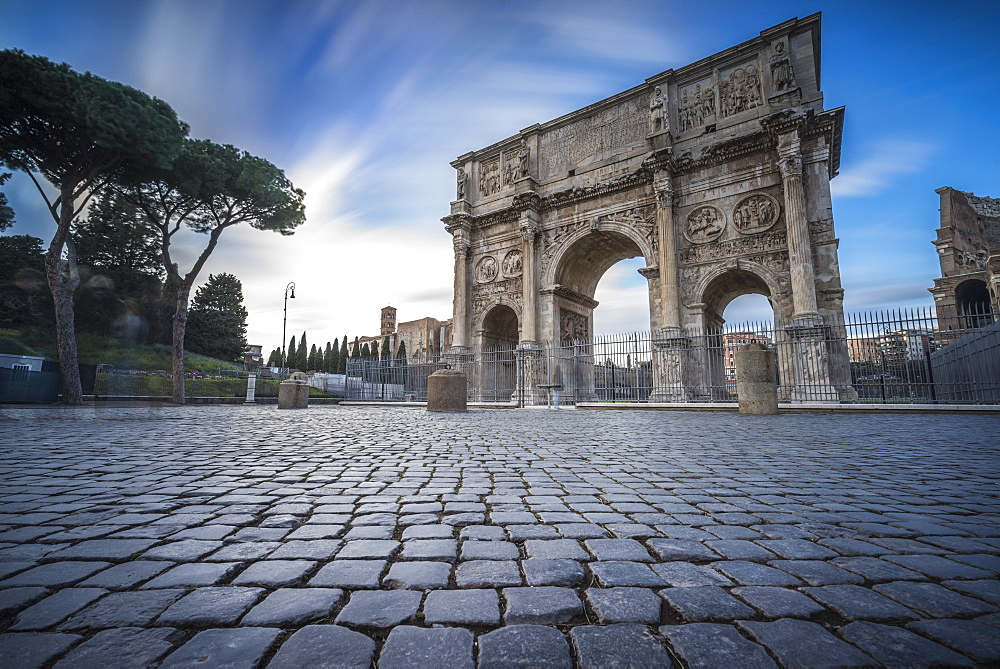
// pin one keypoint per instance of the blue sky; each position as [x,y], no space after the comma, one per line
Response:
[364,104]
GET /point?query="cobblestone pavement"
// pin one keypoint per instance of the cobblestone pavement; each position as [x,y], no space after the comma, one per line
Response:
[344,536]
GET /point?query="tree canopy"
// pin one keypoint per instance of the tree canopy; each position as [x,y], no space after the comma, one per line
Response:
[210,187]
[75,131]
[217,319]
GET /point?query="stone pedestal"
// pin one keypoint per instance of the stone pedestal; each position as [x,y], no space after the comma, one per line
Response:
[251,389]
[293,393]
[757,380]
[446,391]
[812,361]
[669,353]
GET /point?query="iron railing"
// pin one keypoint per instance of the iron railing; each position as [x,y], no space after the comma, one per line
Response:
[869,357]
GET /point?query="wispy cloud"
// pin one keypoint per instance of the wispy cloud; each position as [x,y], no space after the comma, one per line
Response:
[887,159]
[603,31]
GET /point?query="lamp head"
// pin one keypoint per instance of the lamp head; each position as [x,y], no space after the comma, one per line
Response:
[293,294]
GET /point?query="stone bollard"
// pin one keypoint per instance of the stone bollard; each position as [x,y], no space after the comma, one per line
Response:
[446,390]
[757,380]
[293,392]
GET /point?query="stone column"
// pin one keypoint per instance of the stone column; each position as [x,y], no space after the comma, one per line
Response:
[670,318]
[529,278]
[812,362]
[531,368]
[797,226]
[670,345]
[460,326]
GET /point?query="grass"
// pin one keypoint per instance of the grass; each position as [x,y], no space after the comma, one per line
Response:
[96,350]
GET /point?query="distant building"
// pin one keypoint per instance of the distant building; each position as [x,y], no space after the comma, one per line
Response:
[425,339]
[253,357]
[906,345]
[968,246]
[865,349]
[733,341]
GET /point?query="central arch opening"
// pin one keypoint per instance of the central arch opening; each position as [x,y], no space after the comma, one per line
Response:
[603,315]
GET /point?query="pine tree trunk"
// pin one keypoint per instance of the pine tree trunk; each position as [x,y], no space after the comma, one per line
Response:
[177,353]
[69,363]
[63,284]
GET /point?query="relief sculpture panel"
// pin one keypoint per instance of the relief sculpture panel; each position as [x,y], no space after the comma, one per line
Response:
[755,213]
[489,177]
[697,106]
[513,263]
[572,326]
[739,90]
[486,269]
[704,224]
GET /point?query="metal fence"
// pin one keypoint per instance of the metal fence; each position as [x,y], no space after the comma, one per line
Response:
[870,357]
[136,383]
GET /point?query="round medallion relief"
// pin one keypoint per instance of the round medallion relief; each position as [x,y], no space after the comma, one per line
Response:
[486,269]
[513,263]
[755,213]
[705,224]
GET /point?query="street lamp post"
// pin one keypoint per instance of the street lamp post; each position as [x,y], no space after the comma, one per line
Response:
[284,323]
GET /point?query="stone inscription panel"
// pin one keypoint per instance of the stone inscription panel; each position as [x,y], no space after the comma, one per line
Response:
[597,136]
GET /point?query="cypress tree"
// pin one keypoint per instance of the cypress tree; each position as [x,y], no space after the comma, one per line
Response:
[327,356]
[302,355]
[366,351]
[312,364]
[386,348]
[334,361]
[373,351]
[342,361]
[290,354]
[356,349]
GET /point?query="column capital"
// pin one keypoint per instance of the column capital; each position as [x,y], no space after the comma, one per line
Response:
[461,245]
[663,184]
[530,225]
[790,166]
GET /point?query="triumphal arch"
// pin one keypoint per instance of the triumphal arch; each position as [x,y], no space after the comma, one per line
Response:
[717,174]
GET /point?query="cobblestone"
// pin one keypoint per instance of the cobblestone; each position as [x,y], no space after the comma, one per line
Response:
[595,526]
[243,647]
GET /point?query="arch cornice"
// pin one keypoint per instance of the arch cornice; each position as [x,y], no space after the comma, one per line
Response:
[768,276]
[479,318]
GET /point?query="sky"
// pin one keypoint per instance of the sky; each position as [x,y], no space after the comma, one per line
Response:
[365,103]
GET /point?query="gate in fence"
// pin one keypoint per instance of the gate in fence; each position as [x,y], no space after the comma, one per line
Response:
[902,356]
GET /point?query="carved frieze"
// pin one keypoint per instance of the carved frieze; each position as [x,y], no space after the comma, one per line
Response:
[739,89]
[572,326]
[704,224]
[503,291]
[697,106]
[599,134]
[489,177]
[768,241]
[755,213]
[513,263]
[486,269]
